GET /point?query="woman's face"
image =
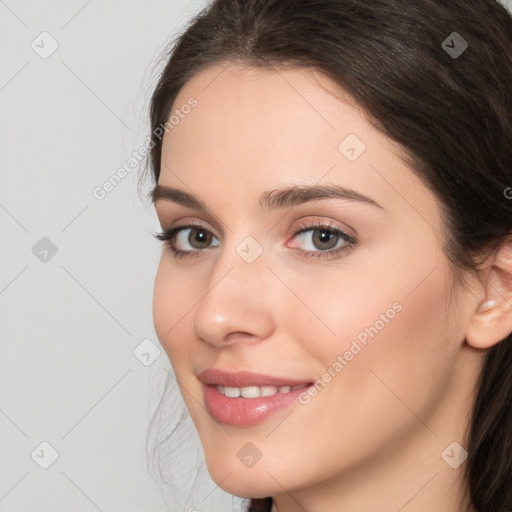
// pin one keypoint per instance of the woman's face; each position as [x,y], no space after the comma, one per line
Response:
[367,318]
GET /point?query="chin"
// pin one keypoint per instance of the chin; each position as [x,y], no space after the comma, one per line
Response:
[237,480]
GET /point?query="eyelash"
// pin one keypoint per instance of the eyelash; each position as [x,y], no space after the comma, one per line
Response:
[169,237]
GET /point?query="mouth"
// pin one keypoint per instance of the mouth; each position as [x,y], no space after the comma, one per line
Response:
[257,391]
[245,379]
[244,398]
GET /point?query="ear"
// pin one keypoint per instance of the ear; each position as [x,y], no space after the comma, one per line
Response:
[492,319]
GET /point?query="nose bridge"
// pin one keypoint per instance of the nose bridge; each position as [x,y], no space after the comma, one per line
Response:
[235,300]
[241,260]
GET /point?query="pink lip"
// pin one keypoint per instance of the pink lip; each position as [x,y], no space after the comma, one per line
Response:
[243,379]
[245,411]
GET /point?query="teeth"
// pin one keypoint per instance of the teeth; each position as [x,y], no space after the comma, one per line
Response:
[250,392]
[232,392]
[256,391]
[268,390]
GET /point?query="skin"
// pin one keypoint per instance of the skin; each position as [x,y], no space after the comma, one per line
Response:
[372,439]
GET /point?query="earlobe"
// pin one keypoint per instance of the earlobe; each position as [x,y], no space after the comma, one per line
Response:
[492,320]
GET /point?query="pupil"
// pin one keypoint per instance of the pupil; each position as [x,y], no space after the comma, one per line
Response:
[200,237]
[325,237]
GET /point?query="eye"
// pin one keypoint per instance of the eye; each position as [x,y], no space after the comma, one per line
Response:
[197,237]
[322,240]
[187,240]
[318,240]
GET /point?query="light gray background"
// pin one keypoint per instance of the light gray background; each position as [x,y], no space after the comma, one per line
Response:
[70,325]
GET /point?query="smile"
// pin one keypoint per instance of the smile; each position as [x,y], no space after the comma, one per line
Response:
[256,391]
[245,398]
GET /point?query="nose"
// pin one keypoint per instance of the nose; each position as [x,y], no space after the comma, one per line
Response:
[236,304]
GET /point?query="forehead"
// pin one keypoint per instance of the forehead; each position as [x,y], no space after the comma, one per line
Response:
[255,128]
[258,105]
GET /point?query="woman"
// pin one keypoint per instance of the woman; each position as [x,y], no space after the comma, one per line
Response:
[332,178]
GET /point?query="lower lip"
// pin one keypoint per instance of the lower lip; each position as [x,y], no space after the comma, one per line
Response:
[243,412]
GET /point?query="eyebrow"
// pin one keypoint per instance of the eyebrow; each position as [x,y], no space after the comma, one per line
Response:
[272,199]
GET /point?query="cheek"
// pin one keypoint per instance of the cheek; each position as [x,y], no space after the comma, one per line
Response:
[172,301]
[394,304]
[389,339]
[393,387]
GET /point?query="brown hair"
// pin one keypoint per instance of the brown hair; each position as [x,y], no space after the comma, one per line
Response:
[451,114]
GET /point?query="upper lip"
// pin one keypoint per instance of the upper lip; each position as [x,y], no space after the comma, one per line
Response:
[244,379]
